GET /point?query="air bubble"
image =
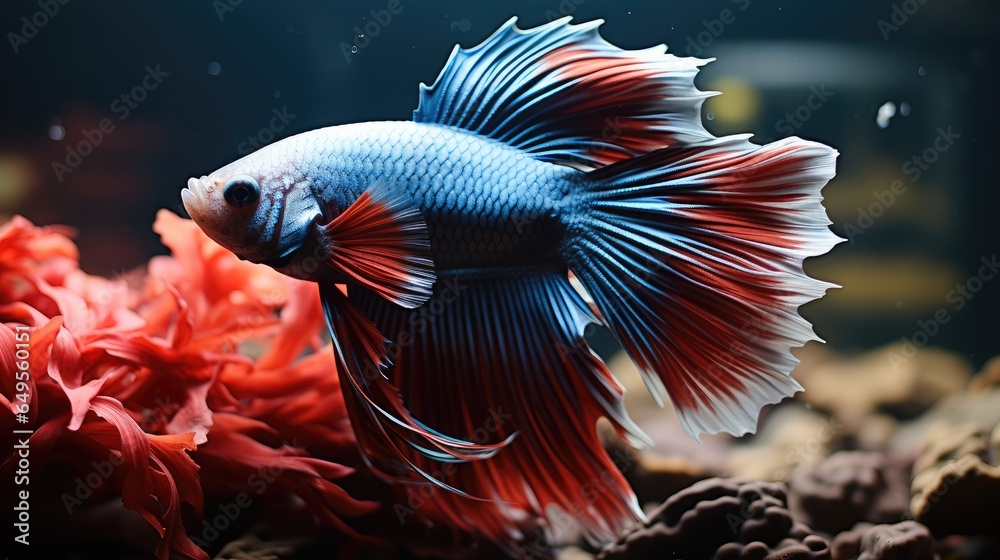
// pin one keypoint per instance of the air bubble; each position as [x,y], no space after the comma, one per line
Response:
[57,132]
[885,114]
[214,68]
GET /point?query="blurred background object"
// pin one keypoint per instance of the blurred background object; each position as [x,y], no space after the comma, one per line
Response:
[110,107]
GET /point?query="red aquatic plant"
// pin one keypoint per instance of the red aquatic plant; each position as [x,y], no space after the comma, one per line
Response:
[187,377]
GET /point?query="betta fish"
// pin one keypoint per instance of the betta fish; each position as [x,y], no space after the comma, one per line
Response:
[548,181]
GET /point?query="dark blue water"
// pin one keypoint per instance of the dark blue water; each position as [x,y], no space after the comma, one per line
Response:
[109,107]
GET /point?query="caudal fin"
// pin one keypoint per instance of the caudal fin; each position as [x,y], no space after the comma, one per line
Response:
[693,255]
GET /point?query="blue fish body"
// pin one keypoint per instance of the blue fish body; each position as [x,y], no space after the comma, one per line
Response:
[486,204]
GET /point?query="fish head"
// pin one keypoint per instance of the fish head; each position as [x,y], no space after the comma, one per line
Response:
[260,212]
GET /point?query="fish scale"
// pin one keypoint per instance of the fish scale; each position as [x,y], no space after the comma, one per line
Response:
[486,204]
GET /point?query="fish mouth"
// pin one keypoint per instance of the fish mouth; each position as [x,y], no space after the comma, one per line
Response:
[192,197]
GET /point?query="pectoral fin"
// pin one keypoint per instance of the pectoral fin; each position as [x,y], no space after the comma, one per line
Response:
[381,243]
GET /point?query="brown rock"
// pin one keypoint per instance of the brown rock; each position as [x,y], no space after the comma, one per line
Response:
[980,408]
[724,519]
[956,481]
[792,436]
[894,377]
[875,431]
[847,487]
[907,540]
[978,404]
[988,378]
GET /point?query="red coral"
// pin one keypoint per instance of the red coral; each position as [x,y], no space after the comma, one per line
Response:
[188,380]
[29,254]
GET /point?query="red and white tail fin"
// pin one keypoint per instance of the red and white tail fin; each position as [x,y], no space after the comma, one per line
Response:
[694,257]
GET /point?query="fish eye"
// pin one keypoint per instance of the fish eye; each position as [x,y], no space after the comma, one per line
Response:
[241,191]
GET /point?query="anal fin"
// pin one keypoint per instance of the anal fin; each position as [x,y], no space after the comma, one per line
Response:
[498,356]
[384,427]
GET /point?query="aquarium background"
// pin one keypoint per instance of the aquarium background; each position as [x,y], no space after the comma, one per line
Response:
[109,107]
[241,74]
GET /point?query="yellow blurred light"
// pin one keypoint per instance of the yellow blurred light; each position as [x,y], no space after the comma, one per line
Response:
[872,282]
[15,181]
[738,105]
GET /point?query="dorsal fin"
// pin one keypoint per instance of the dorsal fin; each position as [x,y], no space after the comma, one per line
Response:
[564,94]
